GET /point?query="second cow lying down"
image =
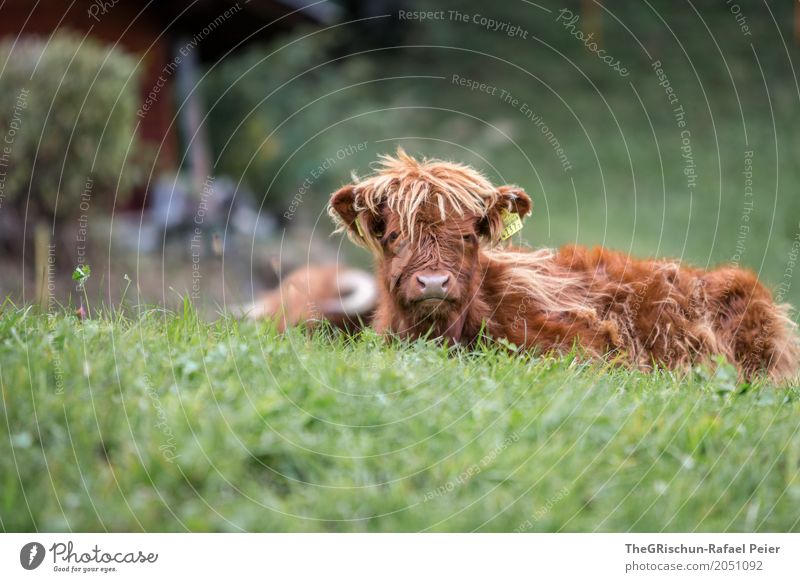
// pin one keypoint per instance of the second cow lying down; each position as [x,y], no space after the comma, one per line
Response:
[343,296]
[435,228]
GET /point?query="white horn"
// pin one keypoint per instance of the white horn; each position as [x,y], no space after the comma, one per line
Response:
[358,294]
[250,310]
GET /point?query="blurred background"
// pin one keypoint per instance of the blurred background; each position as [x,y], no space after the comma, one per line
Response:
[187,149]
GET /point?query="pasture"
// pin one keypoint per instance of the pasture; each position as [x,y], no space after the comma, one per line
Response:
[160,421]
[168,418]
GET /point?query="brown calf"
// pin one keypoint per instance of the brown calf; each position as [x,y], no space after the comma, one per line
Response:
[434,228]
[341,295]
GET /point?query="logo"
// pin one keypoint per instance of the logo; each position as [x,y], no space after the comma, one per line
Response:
[31,555]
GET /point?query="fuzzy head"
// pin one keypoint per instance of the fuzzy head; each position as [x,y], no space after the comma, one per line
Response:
[426,222]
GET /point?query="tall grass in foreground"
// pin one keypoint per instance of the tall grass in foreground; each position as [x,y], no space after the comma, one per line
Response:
[163,422]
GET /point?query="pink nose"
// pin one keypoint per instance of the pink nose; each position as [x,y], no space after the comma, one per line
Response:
[433,286]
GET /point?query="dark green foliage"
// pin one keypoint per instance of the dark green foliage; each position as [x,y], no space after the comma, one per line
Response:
[626,187]
[279,115]
[72,103]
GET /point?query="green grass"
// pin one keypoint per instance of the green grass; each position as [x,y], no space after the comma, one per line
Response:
[165,423]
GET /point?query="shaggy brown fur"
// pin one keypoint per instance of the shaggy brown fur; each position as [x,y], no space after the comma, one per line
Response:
[432,221]
[341,295]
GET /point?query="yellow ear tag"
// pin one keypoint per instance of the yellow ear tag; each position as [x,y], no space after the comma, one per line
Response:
[358,228]
[512,224]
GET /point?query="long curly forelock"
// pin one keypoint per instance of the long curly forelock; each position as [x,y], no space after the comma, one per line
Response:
[406,185]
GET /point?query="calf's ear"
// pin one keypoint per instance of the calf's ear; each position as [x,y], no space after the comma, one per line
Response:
[514,199]
[342,206]
[504,218]
[363,227]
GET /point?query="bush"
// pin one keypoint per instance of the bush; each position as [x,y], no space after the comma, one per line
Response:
[68,114]
[278,115]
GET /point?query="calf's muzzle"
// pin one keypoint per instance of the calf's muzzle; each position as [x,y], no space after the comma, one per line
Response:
[432,285]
